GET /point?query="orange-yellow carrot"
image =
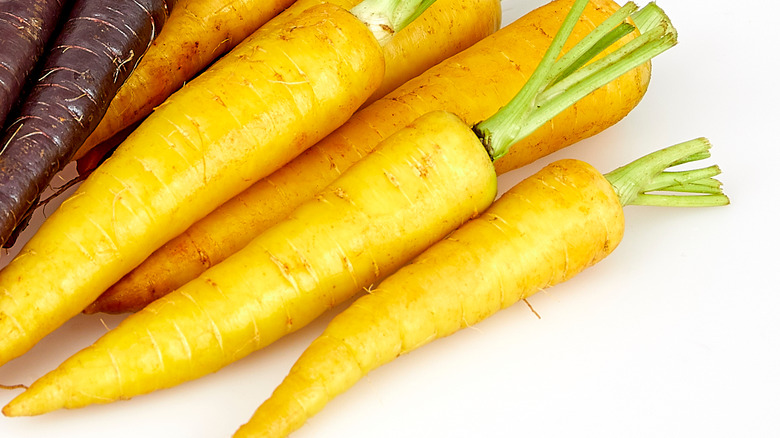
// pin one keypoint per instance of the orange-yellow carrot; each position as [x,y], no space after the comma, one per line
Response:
[274,95]
[414,188]
[199,31]
[473,84]
[543,231]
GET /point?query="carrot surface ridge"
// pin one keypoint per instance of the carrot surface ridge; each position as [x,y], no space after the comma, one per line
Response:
[279,91]
[492,71]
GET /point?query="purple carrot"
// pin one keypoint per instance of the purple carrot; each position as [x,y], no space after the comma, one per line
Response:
[25,27]
[98,47]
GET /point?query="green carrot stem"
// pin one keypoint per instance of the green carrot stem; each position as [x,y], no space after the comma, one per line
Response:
[553,88]
[633,181]
[648,17]
[655,40]
[685,180]
[496,131]
[387,17]
[680,201]
[703,155]
[603,36]
[709,186]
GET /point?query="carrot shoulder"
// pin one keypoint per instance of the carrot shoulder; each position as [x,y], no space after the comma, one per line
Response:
[493,70]
[98,47]
[25,27]
[270,98]
[543,231]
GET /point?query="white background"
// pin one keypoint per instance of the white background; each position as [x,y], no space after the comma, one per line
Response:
[674,334]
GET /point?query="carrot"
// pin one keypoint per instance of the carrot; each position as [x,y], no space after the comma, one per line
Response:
[417,186]
[199,31]
[96,50]
[493,71]
[281,90]
[25,27]
[543,231]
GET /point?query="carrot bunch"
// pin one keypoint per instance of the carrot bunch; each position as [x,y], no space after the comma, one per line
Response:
[282,89]
[415,188]
[414,212]
[493,70]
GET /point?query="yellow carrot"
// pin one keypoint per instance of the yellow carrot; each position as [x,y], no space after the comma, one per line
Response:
[543,231]
[199,31]
[274,95]
[417,186]
[492,71]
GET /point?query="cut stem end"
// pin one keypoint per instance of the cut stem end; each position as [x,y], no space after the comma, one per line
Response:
[647,181]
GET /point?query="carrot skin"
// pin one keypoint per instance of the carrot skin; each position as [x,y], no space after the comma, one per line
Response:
[281,90]
[94,53]
[492,71]
[543,231]
[382,212]
[25,28]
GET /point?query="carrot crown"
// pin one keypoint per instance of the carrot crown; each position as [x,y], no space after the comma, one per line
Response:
[561,80]
[387,17]
[647,181]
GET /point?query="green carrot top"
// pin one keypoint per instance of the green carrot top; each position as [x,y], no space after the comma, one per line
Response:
[647,181]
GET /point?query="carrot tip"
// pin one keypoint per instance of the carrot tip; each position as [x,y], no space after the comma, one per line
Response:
[9,411]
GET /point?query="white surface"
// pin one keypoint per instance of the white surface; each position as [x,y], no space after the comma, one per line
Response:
[674,334]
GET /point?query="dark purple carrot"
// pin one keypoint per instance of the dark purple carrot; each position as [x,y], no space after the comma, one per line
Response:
[25,27]
[98,47]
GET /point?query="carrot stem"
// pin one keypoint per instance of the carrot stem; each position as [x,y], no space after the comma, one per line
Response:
[648,17]
[557,85]
[634,181]
[387,17]
[604,35]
